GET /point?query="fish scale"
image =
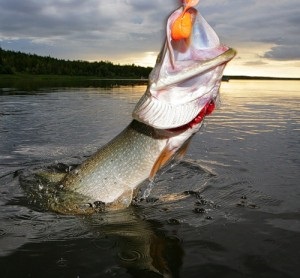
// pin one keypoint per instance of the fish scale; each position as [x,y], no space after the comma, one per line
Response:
[113,169]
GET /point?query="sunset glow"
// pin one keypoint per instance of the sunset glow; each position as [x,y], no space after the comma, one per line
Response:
[266,36]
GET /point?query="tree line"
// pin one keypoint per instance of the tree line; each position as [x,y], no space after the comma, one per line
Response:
[12,62]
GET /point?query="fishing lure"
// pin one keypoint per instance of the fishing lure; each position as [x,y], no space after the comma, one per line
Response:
[182,26]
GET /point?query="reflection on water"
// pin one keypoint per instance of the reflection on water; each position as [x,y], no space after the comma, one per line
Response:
[260,107]
[239,216]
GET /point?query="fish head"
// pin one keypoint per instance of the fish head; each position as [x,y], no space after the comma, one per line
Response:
[187,74]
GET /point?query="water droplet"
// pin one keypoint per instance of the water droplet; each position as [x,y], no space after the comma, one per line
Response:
[201,202]
[199,210]
[173,221]
[148,190]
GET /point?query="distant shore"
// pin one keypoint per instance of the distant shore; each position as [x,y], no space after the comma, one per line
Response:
[29,82]
[244,77]
[98,78]
[23,67]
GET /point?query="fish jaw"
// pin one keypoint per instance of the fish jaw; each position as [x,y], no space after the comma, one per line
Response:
[187,76]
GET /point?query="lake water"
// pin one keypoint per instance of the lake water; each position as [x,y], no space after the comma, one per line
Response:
[241,177]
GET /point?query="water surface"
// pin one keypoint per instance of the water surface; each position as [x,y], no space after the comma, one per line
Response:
[240,217]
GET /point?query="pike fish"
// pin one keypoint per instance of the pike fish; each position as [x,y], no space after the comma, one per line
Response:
[183,88]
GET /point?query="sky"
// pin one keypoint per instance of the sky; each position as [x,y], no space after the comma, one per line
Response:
[265,33]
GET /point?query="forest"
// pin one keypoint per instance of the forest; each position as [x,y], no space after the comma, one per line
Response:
[12,62]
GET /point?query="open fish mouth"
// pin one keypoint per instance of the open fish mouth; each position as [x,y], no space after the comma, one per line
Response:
[186,77]
[163,114]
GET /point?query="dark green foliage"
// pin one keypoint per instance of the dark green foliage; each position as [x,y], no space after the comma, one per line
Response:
[17,62]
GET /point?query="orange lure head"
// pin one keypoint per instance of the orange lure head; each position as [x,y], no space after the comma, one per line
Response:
[182,25]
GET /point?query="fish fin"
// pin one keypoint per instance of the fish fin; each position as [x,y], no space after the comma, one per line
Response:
[169,151]
[163,158]
[182,151]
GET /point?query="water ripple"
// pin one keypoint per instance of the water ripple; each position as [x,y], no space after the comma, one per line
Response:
[228,205]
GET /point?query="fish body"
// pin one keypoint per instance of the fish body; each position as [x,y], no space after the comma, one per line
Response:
[113,172]
[112,175]
[183,88]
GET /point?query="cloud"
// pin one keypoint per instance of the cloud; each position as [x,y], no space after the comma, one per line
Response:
[283,53]
[275,22]
[89,26]
[116,29]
